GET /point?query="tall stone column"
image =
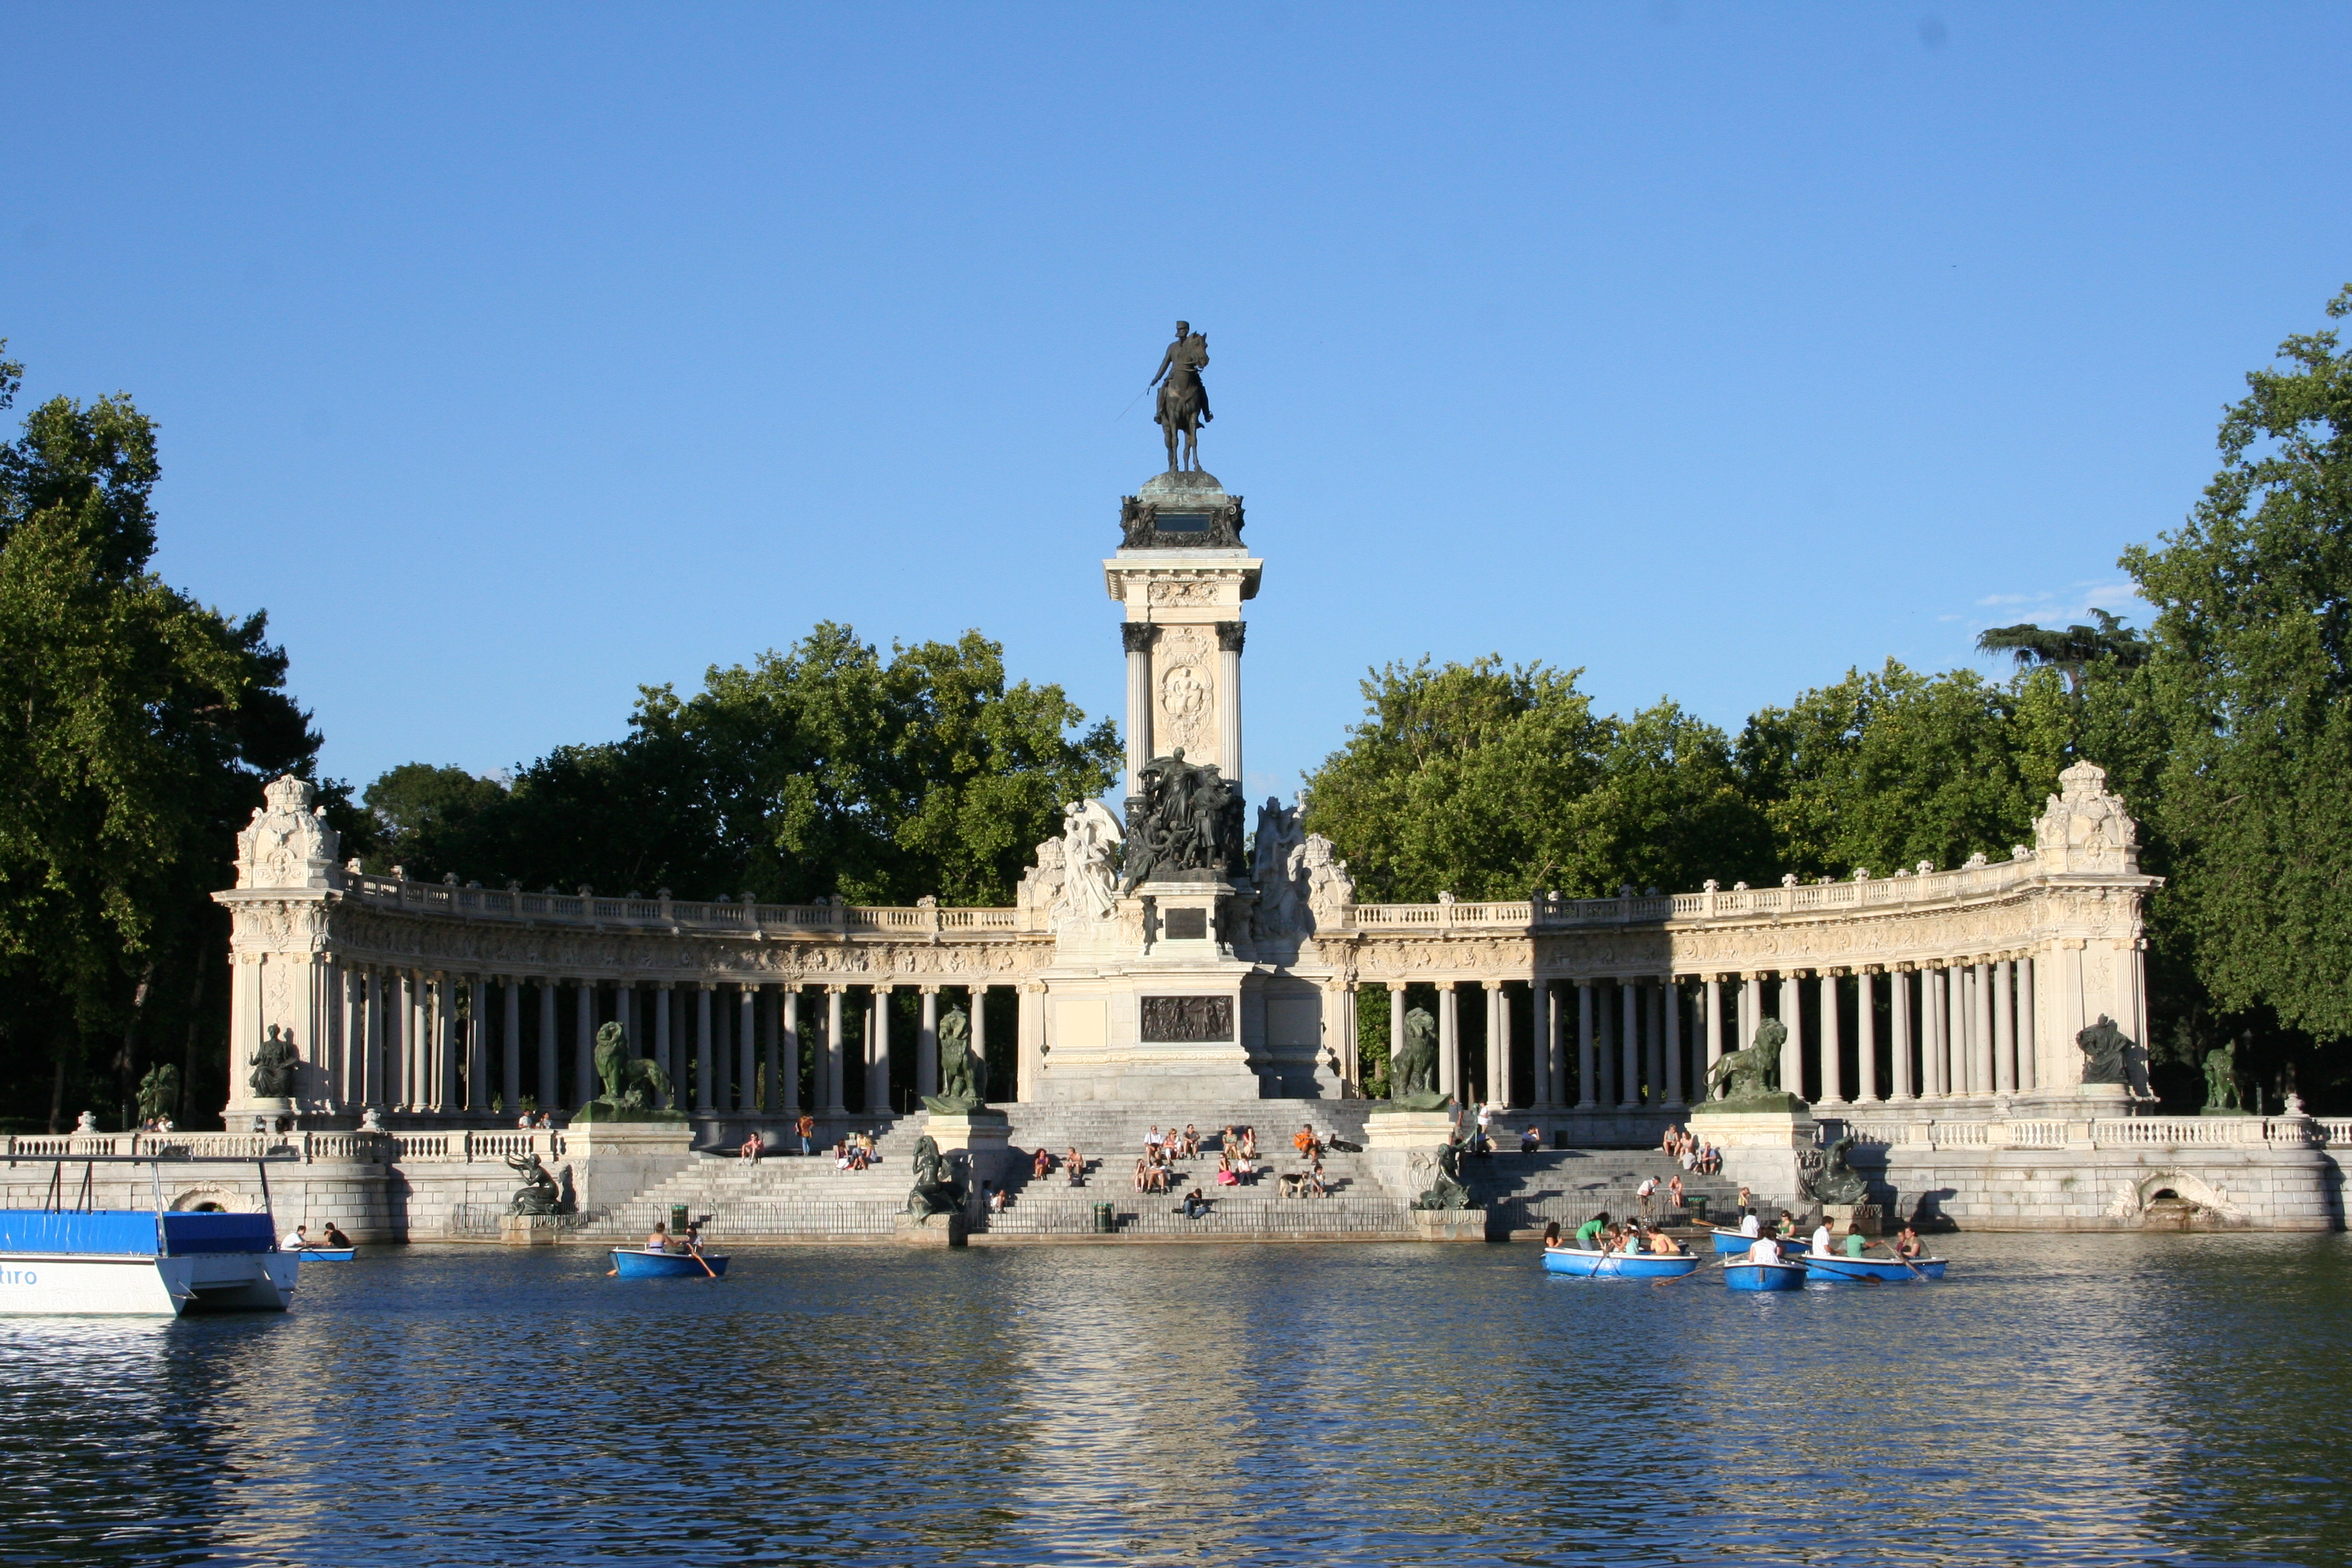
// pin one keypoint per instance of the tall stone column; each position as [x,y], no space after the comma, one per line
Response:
[1136,638]
[1229,699]
[1587,1073]
[927,1043]
[2028,1065]
[1956,1031]
[1865,1029]
[1714,1032]
[1833,1054]
[1673,998]
[2004,1028]
[703,992]
[1543,1026]
[1751,1008]
[1339,1026]
[979,1022]
[1031,1050]
[1935,1023]
[1396,1031]
[747,1043]
[445,1042]
[1505,1089]
[1449,1041]
[1980,1026]
[371,1073]
[773,1099]
[1606,1007]
[1792,1045]
[510,1059]
[1629,1045]
[1496,1052]
[624,1013]
[878,1057]
[835,1067]
[1898,1015]
[665,1052]
[584,1038]
[788,1038]
[551,1085]
[409,1096]
[474,1092]
[1653,1052]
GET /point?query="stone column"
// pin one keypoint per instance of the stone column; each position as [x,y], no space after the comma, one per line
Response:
[1865,1029]
[979,995]
[2004,1028]
[1497,1051]
[1653,1053]
[834,1067]
[1229,699]
[1340,1023]
[551,1086]
[1713,1030]
[788,1034]
[2028,1067]
[1032,1047]
[412,1041]
[444,1044]
[624,1013]
[702,1051]
[1898,1012]
[1792,1019]
[927,1043]
[372,1069]
[878,1056]
[583,1038]
[510,1064]
[1587,1078]
[1136,638]
[1396,1031]
[1751,1008]
[1832,1062]
[1541,1026]
[1607,1008]
[774,1097]
[1629,1046]
[1504,1088]
[664,1054]
[1673,997]
[1449,1041]
[1933,1021]
[747,1043]
[1956,1031]
[1980,1026]
[474,1092]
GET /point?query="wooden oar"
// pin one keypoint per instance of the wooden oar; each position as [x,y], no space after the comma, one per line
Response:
[697,1251]
[1680,1277]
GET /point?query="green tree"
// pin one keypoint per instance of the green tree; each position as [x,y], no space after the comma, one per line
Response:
[1492,782]
[825,770]
[2071,651]
[416,808]
[1884,770]
[2252,670]
[135,728]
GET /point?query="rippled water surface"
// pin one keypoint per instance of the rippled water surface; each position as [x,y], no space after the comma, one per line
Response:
[2090,1400]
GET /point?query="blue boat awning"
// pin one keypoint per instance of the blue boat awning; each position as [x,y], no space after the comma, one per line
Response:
[120,1231]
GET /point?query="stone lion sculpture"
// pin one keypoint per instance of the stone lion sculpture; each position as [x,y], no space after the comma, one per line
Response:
[634,1090]
[1754,1073]
[1412,1075]
[964,1076]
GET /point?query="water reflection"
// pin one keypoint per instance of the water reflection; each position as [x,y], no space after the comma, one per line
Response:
[2088,1400]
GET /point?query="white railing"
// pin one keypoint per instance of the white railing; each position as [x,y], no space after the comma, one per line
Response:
[668,914]
[2114,1132]
[308,1147]
[2336,1132]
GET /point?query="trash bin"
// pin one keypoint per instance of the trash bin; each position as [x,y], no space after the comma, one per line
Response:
[677,1219]
[1105,1224]
[1696,1204]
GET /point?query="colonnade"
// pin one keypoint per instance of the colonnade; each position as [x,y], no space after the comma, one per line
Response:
[1952,1031]
[429,1041]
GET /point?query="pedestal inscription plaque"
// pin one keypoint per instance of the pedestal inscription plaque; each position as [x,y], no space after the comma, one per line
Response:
[1173,1019]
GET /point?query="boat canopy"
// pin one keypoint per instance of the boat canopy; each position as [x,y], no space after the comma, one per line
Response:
[117,1232]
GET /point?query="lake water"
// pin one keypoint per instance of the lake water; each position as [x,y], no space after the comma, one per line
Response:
[2089,1400]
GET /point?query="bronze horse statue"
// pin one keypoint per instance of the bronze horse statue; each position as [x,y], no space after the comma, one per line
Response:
[1183,401]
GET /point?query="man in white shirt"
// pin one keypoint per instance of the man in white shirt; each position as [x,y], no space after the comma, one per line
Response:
[1647,1193]
[1764,1250]
[1823,1240]
[1749,1225]
[295,1240]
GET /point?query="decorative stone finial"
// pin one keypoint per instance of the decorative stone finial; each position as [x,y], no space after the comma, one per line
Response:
[2084,829]
[288,843]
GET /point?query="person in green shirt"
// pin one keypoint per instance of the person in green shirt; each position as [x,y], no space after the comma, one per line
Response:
[1853,1242]
[1588,1235]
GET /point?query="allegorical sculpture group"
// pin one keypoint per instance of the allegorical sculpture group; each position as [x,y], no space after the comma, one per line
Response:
[1186,819]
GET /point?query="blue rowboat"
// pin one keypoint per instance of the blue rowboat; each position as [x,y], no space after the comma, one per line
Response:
[1763,1276]
[328,1254]
[631,1263]
[1859,1271]
[1590,1264]
[1731,1241]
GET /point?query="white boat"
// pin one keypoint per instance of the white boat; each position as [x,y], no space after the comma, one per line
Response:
[141,1262]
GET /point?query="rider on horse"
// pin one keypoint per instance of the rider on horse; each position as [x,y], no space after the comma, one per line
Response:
[1183,401]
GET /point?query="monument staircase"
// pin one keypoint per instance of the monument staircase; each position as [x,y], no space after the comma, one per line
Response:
[789,1197]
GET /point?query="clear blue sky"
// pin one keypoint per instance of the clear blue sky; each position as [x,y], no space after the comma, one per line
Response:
[511,356]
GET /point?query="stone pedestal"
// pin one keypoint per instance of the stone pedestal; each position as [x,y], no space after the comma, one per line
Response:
[930,1230]
[1864,1217]
[534,1229]
[1450,1225]
[612,1162]
[1759,1148]
[983,1137]
[1397,1146]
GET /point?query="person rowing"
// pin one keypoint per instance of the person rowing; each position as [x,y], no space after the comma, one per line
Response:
[1589,1233]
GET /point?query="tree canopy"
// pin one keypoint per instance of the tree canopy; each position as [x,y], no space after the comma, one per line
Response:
[822,770]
